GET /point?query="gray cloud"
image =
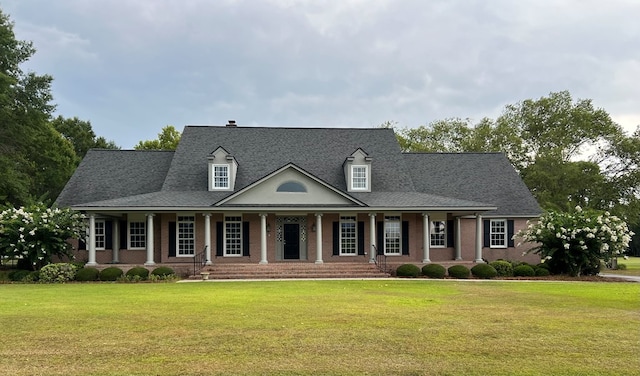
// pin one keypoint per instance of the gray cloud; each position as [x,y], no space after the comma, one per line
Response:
[133,67]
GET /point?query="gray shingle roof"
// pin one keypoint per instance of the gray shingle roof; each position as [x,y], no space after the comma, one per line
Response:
[106,174]
[116,178]
[483,177]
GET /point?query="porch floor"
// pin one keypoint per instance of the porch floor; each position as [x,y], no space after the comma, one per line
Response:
[292,270]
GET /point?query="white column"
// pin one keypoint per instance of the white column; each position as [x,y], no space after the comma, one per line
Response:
[372,237]
[319,238]
[115,241]
[150,261]
[92,240]
[458,246]
[478,238]
[207,237]
[426,238]
[263,238]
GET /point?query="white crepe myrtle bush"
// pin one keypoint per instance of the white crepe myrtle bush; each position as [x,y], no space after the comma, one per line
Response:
[58,273]
[576,242]
[37,233]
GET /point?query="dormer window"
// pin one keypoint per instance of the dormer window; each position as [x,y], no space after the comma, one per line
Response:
[359,179]
[357,171]
[222,170]
[220,176]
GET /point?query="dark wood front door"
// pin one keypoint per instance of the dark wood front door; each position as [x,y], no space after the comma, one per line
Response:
[291,241]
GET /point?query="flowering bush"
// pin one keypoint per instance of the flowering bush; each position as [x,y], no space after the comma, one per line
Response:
[58,273]
[37,233]
[576,242]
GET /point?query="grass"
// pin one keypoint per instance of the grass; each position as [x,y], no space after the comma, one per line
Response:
[403,327]
[633,267]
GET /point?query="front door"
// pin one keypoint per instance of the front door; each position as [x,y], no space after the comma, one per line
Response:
[291,232]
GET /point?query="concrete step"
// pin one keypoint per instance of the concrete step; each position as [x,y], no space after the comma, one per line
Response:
[292,270]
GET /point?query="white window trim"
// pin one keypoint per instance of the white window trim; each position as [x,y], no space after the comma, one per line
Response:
[224,237]
[491,233]
[143,220]
[355,224]
[213,176]
[104,234]
[366,178]
[384,237]
[178,234]
[431,233]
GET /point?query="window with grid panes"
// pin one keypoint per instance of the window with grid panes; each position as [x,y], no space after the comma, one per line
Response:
[392,235]
[186,236]
[137,235]
[498,233]
[233,236]
[348,236]
[438,234]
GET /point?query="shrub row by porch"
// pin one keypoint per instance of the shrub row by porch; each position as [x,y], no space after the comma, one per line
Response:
[499,268]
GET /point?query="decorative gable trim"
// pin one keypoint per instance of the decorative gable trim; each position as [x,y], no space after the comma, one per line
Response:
[222,170]
[278,171]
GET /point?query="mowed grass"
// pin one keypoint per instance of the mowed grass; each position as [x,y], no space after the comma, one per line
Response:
[402,327]
[632,264]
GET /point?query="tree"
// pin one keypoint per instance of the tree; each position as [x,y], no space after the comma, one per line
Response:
[81,135]
[576,242]
[30,172]
[168,139]
[37,233]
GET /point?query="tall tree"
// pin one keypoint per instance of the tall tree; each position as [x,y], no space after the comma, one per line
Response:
[81,135]
[168,139]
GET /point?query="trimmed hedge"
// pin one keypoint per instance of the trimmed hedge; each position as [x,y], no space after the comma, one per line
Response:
[18,275]
[524,270]
[139,272]
[111,273]
[484,271]
[162,271]
[459,271]
[503,268]
[542,272]
[434,271]
[408,270]
[87,274]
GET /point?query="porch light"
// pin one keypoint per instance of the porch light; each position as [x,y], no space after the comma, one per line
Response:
[313,227]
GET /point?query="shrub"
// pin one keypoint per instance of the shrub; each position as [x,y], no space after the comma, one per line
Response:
[542,265]
[18,275]
[542,272]
[408,270]
[484,271]
[523,271]
[459,271]
[58,273]
[434,271]
[162,271]
[87,274]
[622,266]
[138,271]
[111,273]
[503,268]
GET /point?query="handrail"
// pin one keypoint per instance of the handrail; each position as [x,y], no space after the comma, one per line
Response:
[200,260]
[380,260]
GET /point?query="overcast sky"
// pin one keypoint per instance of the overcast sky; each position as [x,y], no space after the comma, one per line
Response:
[132,67]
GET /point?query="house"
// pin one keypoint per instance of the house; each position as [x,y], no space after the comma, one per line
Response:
[314,195]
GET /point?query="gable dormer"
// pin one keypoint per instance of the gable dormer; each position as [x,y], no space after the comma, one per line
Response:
[222,170]
[357,171]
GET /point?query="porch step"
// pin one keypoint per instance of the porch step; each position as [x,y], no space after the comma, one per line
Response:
[292,270]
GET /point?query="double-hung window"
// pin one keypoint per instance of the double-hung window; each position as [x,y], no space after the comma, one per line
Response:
[348,236]
[359,178]
[438,234]
[137,234]
[100,234]
[233,236]
[220,176]
[392,235]
[186,236]
[498,233]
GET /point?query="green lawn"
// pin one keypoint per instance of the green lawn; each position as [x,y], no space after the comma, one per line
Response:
[402,327]
[633,267]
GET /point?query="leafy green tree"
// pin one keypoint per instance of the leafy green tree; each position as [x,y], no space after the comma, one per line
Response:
[576,242]
[30,171]
[81,135]
[168,139]
[37,233]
